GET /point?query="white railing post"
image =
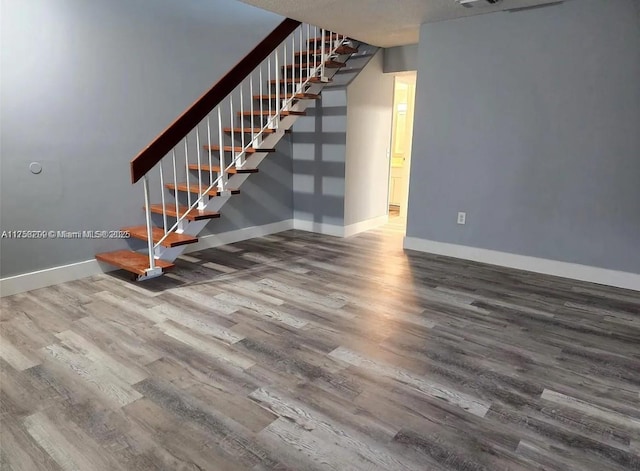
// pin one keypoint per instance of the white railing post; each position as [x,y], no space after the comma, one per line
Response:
[252,99]
[284,82]
[241,115]
[233,140]
[269,87]
[301,56]
[315,50]
[175,181]
[145,184]
[301,49]
[293,67]
[221,181]
[201,200]
[209,149]
[186,165]
[164,208]
[270,119]
[323,77]
[240,157]
[260,78]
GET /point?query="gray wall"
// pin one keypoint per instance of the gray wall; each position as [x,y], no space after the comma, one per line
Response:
[530,122]
[319,150]
[85,86]
[369,116]
[341,144]
[401,58]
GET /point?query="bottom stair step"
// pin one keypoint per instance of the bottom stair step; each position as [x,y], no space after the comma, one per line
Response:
[134,262]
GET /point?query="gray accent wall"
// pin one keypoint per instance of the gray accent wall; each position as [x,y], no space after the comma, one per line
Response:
[530,122]
[369,116]
[401,58]
[319,151]
[340,167]
[85,86]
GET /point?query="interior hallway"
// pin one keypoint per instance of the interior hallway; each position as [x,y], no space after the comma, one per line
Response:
[301,351]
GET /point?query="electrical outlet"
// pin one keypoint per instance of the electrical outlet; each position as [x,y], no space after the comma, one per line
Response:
[462,218]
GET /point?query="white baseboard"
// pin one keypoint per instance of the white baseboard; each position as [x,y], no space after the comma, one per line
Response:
[574,271]
[75,271]
[246,233]
[50,276]
[373,223]
[319,227]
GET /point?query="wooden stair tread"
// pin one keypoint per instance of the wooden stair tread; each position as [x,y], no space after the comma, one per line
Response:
[340,50]
[194,188]
[329,64]
[193,215]
[296,80]
[286,96]
[266,113]
[248,150]
[173,239]
[216,169]
[239,130]
[134,262]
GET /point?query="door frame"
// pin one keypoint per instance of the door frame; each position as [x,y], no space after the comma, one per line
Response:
[409,78]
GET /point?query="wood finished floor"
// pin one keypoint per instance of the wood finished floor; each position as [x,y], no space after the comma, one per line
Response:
[304,352]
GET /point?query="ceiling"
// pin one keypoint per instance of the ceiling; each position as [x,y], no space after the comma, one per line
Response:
[383,23]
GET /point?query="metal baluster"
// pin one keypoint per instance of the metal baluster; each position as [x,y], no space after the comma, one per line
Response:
[241,116]
[315,51]
[269,87]
[209,147]
[186,159]
[302,49]
[164,209]
[240,157]
[284,73]
[199,167]
[221,182]
[253,144]
[277,103]
[293,64]
[175,182]
[233,141]
[322,53]
[145,184]
[269,93]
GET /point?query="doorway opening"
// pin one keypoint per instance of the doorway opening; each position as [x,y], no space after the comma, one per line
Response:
[400,153]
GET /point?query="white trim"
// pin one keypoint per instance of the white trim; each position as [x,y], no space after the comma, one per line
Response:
[373,223]
[319,227]
[574,271]
[50,276]
[246,233]
[74,271]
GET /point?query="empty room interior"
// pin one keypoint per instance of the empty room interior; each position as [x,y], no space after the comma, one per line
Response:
[320,235]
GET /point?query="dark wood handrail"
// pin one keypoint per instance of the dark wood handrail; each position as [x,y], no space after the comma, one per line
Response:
[188,120]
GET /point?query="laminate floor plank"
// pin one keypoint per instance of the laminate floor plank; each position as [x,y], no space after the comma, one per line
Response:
[299,351]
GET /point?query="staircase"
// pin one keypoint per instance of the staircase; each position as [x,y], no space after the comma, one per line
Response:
[203,158]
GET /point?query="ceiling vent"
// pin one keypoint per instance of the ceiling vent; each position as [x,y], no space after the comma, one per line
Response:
[478,3]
